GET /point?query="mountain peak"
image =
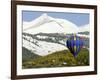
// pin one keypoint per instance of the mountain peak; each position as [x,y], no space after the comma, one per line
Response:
[44,15]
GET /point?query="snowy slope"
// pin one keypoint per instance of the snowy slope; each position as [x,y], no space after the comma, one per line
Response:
[41,46]
[50,27]
[44,48]
[37,22]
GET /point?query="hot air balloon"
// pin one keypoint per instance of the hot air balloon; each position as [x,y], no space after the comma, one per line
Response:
[74,44]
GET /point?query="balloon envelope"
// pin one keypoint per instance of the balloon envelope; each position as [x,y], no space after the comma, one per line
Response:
[74,44]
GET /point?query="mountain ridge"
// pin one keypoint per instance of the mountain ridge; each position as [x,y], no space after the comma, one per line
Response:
[49,23]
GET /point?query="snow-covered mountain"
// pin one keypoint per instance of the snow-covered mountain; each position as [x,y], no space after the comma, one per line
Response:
[47,24]
[46,34]
[84,31]
[84,28]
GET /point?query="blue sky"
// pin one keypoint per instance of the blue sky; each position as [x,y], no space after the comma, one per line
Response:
[79,19]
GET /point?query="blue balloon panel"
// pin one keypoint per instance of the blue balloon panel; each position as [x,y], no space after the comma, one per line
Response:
[74,44]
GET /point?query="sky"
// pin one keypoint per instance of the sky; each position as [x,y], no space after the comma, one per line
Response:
[79,19]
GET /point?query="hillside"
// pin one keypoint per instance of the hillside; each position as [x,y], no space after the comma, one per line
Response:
[59,59]
[28,55]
